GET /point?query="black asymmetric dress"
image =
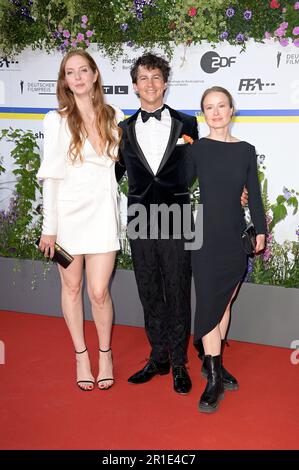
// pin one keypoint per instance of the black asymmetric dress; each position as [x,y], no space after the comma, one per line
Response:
[223,168]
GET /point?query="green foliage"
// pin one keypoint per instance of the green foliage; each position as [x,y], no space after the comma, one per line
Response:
[20,225]
[156,23]
[279,263]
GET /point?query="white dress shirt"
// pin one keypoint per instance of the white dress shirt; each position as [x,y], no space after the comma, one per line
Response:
[153,136]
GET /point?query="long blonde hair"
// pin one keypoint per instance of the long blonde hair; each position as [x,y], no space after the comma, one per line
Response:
[106,124]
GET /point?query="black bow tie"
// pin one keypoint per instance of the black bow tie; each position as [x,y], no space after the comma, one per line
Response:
[156,114]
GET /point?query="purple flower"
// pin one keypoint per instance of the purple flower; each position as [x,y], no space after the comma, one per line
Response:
[139,16]
[297,232]
[66,33]
[279,32]
[84,19]
[247,14]
[230,12]
[124,26]
[296,31]
[89,33]
[284,42]
[296,42]
[130,43]
[224,35]
[240,37]
[286,193]
[80,37]
[66,42]
[267,254]
[296,6]
[74,43]
[83,25]
[267,35]
[284,25]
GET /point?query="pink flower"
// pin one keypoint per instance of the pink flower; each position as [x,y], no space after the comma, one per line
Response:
[284,42]
[66,33]
[267,35]
[274,4]
[279,32]
[83,25]
[89,33]
[296,6]
[296,31]
[296,42]
[192,11]
[284,25]
[74,43]
[80,37]
[87,42]
[84,19]
[266,254]
[66,42]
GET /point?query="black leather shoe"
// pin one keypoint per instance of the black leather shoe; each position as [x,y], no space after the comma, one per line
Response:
[214,391]
[181,380]
[229,381]
[151,369]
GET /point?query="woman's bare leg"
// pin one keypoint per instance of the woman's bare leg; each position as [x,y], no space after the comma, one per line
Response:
[99,268]
[71,299]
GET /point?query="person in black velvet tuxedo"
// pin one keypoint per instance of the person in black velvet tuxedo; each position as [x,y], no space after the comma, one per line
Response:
[152,151]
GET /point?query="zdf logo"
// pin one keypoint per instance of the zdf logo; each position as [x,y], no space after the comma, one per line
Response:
[211,62]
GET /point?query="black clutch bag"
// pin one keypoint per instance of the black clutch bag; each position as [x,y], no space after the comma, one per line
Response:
[61,256]
[249,240]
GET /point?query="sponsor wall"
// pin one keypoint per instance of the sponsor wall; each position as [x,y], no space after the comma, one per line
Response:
[264,81]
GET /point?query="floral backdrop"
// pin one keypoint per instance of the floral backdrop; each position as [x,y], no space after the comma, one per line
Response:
[63,24]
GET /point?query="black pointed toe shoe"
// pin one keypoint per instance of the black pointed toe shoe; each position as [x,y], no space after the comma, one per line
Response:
[151,369]
[181,381]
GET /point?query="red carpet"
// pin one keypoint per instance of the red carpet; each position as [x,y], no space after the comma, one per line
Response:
[42,408]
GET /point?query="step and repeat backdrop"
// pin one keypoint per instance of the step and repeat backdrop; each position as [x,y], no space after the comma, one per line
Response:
[264,81]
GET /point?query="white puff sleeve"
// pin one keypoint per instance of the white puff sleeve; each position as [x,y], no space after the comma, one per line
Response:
[55,150]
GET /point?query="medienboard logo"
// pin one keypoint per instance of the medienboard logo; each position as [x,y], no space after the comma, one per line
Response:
[211,62]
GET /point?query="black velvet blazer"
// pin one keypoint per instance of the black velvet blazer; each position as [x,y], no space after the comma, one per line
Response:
[168,185]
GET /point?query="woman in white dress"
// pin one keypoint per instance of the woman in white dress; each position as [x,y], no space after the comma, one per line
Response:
[80,203]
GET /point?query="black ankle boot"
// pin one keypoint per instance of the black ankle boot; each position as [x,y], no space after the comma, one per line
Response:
[229,381]
[214,390]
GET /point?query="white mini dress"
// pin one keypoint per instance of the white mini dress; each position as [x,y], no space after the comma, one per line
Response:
[80,199]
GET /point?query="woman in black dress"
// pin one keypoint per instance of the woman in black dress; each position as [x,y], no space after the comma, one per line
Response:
[224,165]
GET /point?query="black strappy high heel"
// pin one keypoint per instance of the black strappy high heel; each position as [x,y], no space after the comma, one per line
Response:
[85,389]
[110,378]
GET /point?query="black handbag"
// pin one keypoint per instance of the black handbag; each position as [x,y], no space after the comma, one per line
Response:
[249,240]
[61,256]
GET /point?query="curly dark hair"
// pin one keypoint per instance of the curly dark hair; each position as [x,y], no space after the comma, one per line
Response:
[150,61]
